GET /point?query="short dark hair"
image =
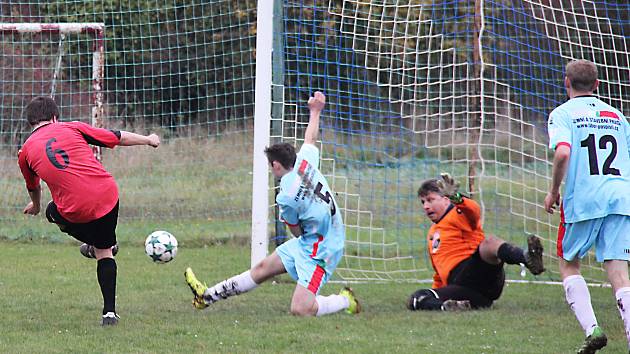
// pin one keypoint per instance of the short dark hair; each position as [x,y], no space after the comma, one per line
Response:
[428,186]
[582,75]
[41,109]
[283,153]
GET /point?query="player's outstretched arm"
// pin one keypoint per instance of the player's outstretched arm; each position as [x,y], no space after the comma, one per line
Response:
[315,105]
[450,189]
[129,139]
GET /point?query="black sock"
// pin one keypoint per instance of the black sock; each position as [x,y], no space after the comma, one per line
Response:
[106,273]
[511,254]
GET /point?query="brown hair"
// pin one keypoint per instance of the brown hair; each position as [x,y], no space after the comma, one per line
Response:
[582,75]
[284,153]
[428,186]
[41,109]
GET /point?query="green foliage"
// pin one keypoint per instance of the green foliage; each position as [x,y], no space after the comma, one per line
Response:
[171,64]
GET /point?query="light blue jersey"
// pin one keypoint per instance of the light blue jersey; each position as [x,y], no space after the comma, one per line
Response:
[305,199]
[598,176]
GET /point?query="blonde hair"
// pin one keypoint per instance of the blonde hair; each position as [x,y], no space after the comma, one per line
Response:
[582,75]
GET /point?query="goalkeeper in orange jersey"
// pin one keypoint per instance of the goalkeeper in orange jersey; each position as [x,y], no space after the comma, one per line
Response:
[468,265]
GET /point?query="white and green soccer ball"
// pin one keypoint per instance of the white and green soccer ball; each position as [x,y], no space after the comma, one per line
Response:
[161,246]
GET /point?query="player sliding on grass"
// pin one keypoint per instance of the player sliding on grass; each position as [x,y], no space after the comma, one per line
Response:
[309,208]
[591,140]
[468,266]
[85,196]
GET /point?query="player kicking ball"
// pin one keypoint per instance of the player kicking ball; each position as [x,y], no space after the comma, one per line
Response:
[85,195]
[308,207]
[468,265]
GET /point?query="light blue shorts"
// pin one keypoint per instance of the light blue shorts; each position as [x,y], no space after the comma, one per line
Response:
[309,272]
[610,235]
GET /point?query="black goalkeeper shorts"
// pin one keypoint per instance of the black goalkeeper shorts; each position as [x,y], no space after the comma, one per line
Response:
[473,272]
[100,233]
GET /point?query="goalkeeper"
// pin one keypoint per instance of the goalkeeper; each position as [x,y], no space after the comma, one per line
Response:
[468,265]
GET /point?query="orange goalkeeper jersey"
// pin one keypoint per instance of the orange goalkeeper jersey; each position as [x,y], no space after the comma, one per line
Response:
[454,238]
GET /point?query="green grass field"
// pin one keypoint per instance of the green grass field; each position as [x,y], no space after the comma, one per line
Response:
[51,304]
[51,300]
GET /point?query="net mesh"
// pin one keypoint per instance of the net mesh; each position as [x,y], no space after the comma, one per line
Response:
[183,70]
[417,88]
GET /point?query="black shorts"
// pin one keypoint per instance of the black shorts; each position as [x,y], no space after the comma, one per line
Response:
[100,233]
[487,279]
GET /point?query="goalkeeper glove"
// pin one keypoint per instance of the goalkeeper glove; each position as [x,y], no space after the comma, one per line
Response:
[449,188]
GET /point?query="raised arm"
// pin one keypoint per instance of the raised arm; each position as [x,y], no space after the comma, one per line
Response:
[129,139]
[450,189]
[315,105]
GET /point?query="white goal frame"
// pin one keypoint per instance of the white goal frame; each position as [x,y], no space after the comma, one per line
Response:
[97,31]
[262,125]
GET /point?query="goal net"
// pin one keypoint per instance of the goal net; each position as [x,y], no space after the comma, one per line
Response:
[465,87]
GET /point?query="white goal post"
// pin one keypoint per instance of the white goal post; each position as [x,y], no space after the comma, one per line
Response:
[97,32]
[262,125]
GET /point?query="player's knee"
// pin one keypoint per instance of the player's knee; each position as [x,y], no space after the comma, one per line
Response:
[260,272]
[568,268]
[424,299]
[101,253]
[302,309]
[490,244]
[617,274]
[491,239]
[259,267]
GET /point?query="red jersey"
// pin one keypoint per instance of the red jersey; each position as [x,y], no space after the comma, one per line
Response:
[453,239]
[59,154]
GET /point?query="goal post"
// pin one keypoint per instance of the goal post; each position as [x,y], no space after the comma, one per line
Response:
[59,31]
[262,126]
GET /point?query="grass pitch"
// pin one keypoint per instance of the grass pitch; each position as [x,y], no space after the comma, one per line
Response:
[51,304]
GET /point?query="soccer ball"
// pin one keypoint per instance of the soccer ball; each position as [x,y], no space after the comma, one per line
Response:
[161,246]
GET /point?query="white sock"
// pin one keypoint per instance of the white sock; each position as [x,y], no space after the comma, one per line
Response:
[579,300]
[331,304]
[236,285]
[623,303]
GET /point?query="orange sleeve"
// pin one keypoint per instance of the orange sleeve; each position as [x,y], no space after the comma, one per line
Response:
[437,281]
[471,211]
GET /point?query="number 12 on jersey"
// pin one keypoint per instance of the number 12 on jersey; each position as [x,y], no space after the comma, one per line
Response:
[589,143]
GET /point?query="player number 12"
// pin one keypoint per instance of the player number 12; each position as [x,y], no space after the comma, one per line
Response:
[589,143]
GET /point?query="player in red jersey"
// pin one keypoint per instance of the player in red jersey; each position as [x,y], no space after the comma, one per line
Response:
[468,265]
[85,195]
